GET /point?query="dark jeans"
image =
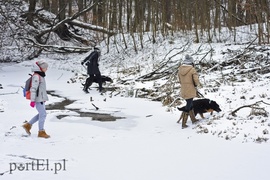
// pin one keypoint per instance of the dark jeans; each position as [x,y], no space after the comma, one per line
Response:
[189,104]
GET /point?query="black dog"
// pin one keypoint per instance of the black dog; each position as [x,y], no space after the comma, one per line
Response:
[202,106]
[104,79]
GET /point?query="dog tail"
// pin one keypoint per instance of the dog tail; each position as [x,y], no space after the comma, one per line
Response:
[181,108]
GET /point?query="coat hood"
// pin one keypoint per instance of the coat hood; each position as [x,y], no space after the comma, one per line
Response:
[36,68]
[184,69]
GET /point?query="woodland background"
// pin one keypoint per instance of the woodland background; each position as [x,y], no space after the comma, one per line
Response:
[32,27]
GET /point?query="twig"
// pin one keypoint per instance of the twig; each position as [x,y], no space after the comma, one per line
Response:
[10,93]
[95,106]
[233,113]
[163,64]
[60,76]
[178,98]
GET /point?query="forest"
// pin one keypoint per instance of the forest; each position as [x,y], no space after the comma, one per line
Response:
[32,27]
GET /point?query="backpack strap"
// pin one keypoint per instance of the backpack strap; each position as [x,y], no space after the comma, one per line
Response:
[39,81]
[38,76]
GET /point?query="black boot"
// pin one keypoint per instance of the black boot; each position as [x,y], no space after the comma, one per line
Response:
[192,117]
[85,89]
[100,89]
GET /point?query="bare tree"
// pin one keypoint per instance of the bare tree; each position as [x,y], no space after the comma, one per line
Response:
[46,4]
[31,11]
[54,6]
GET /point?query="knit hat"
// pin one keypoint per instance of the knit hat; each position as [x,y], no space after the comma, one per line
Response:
[42,64]
[188,60]
[97,49]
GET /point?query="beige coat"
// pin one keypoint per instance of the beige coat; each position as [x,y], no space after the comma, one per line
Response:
[188,79]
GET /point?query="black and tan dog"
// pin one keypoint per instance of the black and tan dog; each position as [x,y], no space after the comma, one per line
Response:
[201,106]
[104,79]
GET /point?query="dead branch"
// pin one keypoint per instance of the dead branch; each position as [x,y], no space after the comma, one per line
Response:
[72,21]
[69,19]
[91,27]
[254,105]
[233,59]
[97,108]
[232,14]
[159,72]
[260,69]
[60,49]
[205,55]
[10,93]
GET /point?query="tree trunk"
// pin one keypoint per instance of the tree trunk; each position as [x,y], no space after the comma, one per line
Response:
[31,11]
[46,5]
[54,7]
[62,30]
[70,13]
[196,19]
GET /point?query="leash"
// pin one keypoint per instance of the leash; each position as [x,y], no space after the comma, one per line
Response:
[199,95]
[84,67]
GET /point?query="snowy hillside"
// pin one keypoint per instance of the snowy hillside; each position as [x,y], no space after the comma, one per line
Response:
[134,138]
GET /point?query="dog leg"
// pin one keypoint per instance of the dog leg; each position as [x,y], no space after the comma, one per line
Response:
[211,111]
[181,117]
[192,117]
[201,114]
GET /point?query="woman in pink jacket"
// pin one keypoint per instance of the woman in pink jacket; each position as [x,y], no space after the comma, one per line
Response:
[189,80]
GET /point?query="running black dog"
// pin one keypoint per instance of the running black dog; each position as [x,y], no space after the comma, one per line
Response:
[104,79]
[202,106]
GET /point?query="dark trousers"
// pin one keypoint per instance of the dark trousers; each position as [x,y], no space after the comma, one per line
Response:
[189,105]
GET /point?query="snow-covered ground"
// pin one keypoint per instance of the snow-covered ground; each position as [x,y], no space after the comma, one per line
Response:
[145,143]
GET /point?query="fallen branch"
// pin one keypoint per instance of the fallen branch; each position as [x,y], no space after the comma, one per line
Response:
[10,93]
[67,20]
[236,59]
[160,71]
[255,105]
[60,49]
[95,106]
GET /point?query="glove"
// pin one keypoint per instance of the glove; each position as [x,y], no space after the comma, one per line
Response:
[32,104]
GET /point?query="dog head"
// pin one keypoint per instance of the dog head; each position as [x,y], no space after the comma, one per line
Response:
[109,80]
[214,106]
[106,79]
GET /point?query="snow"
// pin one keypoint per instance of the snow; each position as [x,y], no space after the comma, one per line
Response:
[146,144]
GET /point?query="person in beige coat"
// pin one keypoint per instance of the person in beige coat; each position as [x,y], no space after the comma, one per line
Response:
[189,80]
